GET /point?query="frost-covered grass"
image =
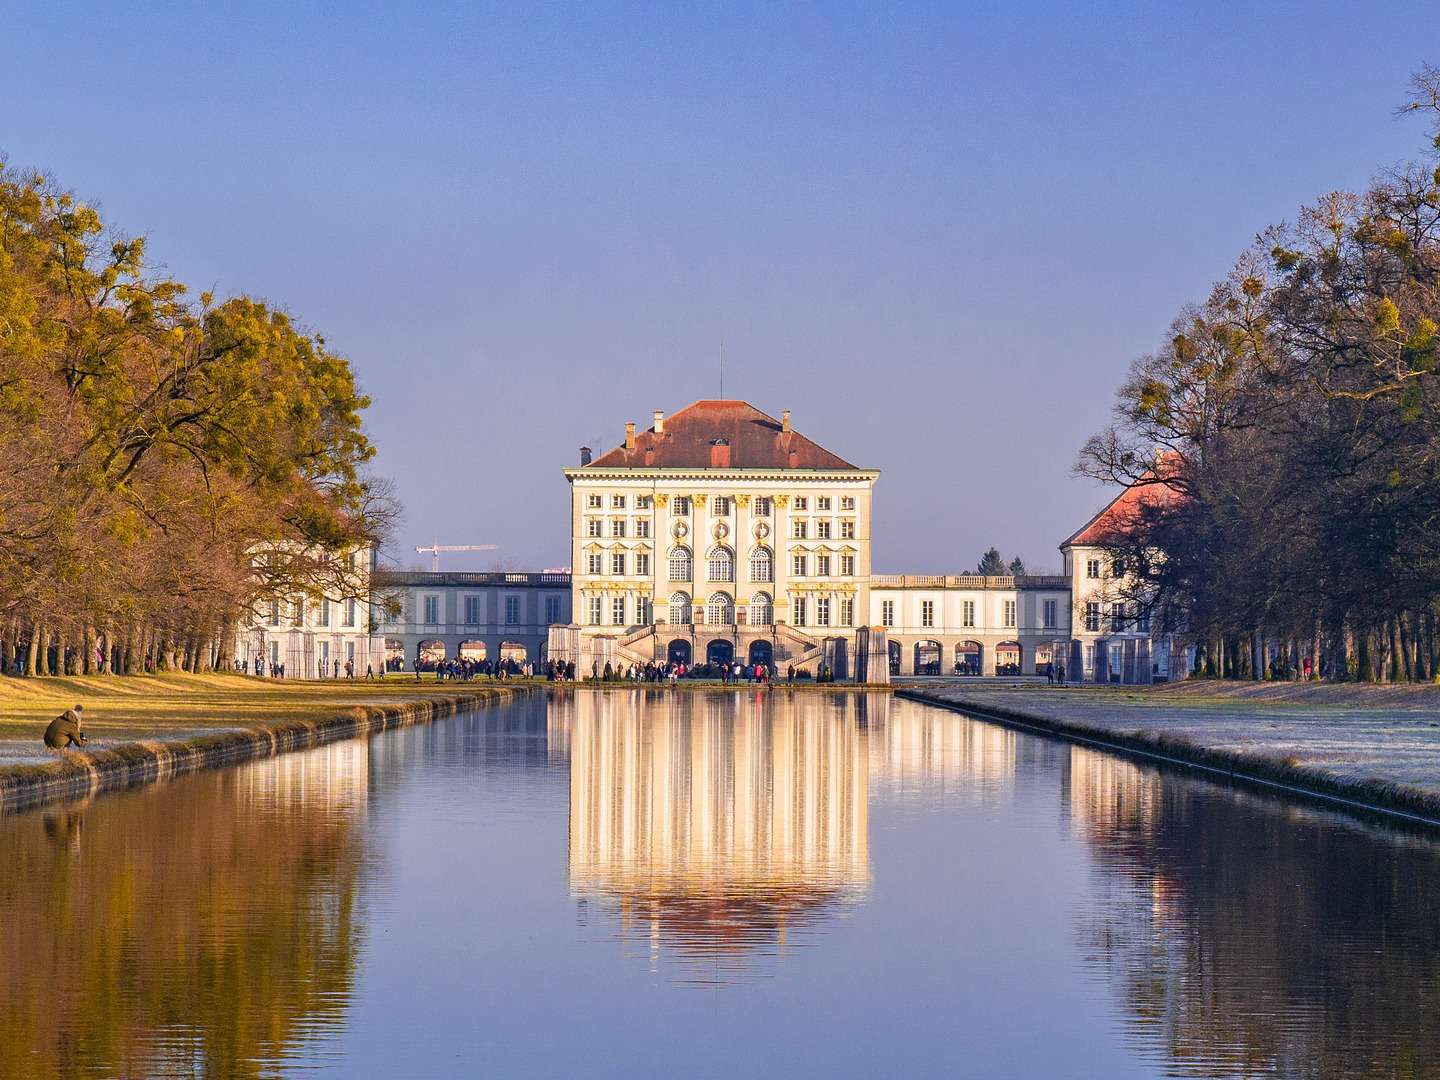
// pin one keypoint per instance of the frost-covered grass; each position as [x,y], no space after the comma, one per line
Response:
[1349,734]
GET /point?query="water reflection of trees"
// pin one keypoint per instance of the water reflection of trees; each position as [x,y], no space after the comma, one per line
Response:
[207,926]
[1247,936]
[715,825]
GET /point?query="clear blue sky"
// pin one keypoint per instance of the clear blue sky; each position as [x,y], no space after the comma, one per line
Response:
[938,234]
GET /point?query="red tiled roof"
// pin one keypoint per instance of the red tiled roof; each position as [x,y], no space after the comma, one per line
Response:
[1123,511]
[756,440]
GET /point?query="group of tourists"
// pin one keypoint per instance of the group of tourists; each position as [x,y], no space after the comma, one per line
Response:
[672,671]
[463,669]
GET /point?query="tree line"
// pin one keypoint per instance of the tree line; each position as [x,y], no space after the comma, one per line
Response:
[1285,442]
[167,463]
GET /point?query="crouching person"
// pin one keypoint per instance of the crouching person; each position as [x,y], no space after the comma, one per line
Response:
[64,731]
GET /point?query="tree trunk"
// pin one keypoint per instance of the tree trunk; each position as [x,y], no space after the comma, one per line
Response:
[32,658]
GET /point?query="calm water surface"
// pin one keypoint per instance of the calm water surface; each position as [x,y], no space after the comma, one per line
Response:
[727,884]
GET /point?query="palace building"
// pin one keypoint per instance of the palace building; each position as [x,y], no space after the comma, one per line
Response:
[722,534]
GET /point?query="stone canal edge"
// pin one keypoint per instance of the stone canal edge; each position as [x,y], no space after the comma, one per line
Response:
[147,761]
[1392,801]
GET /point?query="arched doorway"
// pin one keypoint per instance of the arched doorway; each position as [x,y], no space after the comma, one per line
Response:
[720,651]
[927,658]
[893,648]
[967,658]
[678,652]
[429,653]
[762,652]
[394,654]
[472,650]
[1007,658]
[514,652]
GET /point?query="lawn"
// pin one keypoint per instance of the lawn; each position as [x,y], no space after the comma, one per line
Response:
[176,706]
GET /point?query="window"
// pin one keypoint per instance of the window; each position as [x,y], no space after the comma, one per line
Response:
[822,611]
[644,502]
[800,611]
[927,612]
[720,505]
[680,564]
[593,527]
[617,611]
[349,612]
[432,609]
[822,502]
[593,563]
[617,501]
[762,612]
[847,528]
[552,609]
[324,619]
[797,565]
[1117,618]
[967,613]
[682,506]
[822,530]
[721,564]
[298,614]
[721,611]
[617,563]
[592,501]
[1092,569]
[472,610]
[762,564]
[274,612]
[887,612]
[1142,622]
[801,503]
[642,563]
[1049,609]
[1090,659]
[617,527]
[1092,617]
[847,502]
[798,529]
[1009,613]
[642,528]
[847,611]
[597,608]
[350,651]
[350,561]
[762,506]
[847,565]
[680,609]
[512,610]
[644,611]
[822,565]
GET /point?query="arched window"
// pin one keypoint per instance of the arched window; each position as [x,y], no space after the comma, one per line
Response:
[681,563]
[721,611]
[762,564]
[721,563]
[680,609]
[762,611]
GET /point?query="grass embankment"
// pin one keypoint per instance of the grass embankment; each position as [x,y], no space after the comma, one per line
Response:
[142,727]
[1374,747]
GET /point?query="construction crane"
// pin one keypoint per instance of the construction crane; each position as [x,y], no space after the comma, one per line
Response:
[435,548]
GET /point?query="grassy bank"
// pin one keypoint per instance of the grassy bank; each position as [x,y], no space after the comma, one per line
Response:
[1375,746]
[144,727]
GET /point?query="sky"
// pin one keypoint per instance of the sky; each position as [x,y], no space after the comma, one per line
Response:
[938,234]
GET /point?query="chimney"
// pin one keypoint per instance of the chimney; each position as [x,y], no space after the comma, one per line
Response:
[659,422]
[629,435]
[720,454]
[584,455]
[785,421]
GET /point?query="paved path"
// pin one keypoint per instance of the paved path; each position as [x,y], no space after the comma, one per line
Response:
[1359,734]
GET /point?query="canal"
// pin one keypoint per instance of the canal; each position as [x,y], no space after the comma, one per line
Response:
[667,883]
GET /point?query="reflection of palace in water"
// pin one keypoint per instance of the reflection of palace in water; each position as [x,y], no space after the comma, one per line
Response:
[717,822]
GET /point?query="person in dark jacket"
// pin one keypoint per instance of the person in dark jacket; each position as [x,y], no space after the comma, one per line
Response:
[64,731]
